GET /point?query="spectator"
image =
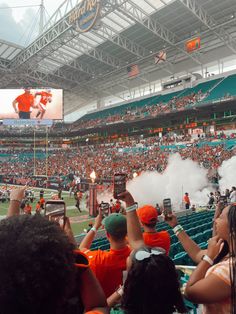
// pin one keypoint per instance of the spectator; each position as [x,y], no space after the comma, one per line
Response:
[148,218]
[108,266]
[39,267]
[214,283]
[232,196]
[152,283]
[186,201]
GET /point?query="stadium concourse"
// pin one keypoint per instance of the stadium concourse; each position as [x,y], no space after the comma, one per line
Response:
[118,157]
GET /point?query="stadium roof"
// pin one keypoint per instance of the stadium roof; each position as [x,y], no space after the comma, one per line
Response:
[93,65]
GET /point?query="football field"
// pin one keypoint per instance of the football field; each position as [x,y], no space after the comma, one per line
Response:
[79,221]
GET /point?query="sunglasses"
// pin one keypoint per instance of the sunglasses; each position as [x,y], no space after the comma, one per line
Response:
[81,260]
[144,253]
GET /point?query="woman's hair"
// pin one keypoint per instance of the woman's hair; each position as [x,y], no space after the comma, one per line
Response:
[36,265]
[152,286]
[232,233]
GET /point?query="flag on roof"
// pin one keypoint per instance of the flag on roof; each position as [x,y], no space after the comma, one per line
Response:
[133,70]
[193,44]
[160,57]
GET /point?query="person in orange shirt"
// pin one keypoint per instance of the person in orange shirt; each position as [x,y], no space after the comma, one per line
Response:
[28,209]
[186,201]
[108,266]
[23,103]
[38,208]
[42,202]
[148,218]
[46,97]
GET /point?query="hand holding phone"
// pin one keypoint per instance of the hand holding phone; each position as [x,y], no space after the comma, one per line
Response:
[119,184]
[55,210]
[167,208]
[104,207]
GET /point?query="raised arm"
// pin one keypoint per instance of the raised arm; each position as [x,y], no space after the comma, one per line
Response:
[68,231]
[88,239]
[191,247]
[16,197]
[92,295]
[210,289]
[135,236]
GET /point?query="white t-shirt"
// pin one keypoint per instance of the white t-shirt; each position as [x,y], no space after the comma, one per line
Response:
[232,197]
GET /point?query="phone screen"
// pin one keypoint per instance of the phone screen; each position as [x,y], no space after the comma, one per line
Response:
[56,211]
[105,209]
[119,184]
[167,206]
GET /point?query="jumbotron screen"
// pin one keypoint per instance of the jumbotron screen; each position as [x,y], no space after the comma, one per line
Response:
[30,103]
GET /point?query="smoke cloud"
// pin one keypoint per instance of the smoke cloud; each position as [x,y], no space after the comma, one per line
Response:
[227,173]
[179,177]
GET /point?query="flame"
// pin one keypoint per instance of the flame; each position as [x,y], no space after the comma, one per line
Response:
[93,176]
[135,174]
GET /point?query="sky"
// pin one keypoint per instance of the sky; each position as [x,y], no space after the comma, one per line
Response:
[18,25]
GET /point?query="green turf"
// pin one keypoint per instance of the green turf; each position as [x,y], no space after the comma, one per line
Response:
[77,227]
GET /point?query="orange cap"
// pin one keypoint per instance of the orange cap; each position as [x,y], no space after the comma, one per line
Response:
[93,312]
[147,214]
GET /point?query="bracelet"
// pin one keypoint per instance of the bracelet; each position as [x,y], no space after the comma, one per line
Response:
[15,200]
[207,259]
[93,229]
[131,208]
[120,291]
[177,229]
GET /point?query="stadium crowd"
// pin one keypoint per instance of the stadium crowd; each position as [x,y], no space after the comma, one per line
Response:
[176,103]
[125,157]
[136,275]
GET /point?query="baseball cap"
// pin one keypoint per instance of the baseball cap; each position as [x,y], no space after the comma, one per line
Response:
[147,214]
[115,224]
[93,312]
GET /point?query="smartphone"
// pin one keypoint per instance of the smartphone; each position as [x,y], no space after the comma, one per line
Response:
[167,207]
[105,207]
[56,210]
[119,184]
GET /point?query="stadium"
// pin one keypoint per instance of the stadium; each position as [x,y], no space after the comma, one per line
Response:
[118,123]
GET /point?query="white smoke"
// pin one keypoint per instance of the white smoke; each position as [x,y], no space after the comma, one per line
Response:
[227,174]
[179,177]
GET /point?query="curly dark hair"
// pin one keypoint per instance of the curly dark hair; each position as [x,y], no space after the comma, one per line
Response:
[152,286]
[36,265]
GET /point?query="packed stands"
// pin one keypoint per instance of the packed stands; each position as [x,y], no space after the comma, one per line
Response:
[205,92]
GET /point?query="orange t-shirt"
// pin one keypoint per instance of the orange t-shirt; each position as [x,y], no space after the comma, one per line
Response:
[25,101]
[42,201]
[28,209]
[157,239]
[44,97]
[108,267]
[186,199]
[38,208]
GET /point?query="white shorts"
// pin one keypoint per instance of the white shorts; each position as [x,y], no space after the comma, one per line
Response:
[42,107]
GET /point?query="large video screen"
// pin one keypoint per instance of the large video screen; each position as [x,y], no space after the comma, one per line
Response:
[31,104]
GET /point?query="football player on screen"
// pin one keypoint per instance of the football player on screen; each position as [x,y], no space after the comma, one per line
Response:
[23,103]
[46,97]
